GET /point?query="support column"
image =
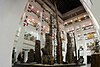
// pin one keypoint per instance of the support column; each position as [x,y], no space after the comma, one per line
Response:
[84,45]
[20,40]
[10,14]
[59,44]
[76,40]
[82,41]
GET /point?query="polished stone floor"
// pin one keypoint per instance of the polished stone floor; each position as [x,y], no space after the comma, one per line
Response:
[39,65]
[88,65]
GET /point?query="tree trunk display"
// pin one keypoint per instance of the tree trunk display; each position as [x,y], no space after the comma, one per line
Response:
[69,55]
[20,57]
[59,44]
[59,50]
[37,52]
[47,57]
[30,56]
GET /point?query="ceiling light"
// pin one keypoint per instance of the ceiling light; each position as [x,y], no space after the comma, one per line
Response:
[37,11]
[46,18]
[38,23]
[77,27]
[48,29]
[66,22]
[43,26]
[71,20]
[32,19]
[90,23]
[32,7]
[84,15]
[83,25]
[72,28]
[79,20]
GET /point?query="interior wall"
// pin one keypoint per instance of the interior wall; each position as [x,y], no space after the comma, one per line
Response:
[92,7]
[10,14]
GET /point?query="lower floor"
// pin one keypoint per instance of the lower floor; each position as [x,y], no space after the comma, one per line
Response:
[57,65]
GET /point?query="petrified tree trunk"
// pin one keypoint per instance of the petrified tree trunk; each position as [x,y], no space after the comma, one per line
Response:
[30,56]
[47,57]
[37,52]
[69,55]
[59,46]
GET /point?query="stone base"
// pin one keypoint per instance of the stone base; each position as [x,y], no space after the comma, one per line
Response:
[45,65]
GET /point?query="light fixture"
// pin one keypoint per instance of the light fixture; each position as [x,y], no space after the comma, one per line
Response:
[46,18]
[71,20]
[32,19]
[38,23]
[83,25]
[79,20]
[84,15]
[90,23]
[32,7]
[48,29]
[66,22]
[72,28]
[37,11]
[77,27]
[43,26]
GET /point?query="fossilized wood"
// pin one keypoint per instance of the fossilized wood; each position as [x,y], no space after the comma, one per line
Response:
[37,52]
[69,55]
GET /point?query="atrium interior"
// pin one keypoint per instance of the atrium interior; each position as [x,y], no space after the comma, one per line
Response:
[50,33]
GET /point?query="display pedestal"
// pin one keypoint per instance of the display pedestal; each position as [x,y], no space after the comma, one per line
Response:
[95,60]
[45,65]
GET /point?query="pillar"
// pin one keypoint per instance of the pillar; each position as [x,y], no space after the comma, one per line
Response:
[10,14]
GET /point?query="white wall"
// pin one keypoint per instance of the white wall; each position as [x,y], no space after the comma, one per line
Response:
[10,14]
[92,7]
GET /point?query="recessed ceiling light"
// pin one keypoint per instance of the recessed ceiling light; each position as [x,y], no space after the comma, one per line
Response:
[84,15]
[32,7]
[66,22]
[79,20]
[90,23]
[37,11]
[77,27]
[46,18]
[48,29]
[32,19]
[83,25]
[38,23]
[72,28]
[43,26]
[71,20]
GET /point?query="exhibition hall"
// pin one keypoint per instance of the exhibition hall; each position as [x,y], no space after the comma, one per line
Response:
[50,33]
